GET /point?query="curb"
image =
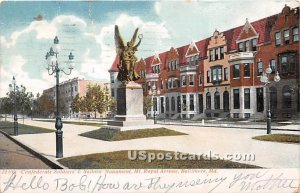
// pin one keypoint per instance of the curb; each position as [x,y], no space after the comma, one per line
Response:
[223,126]
[35,153]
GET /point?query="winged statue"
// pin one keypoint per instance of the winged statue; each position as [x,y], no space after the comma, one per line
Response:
[127,58]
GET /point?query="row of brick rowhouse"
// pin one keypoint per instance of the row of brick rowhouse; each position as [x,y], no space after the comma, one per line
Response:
[220,75]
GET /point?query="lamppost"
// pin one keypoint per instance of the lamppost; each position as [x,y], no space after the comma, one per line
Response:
[265,78]
[153,92]
[53,68]
[12,88]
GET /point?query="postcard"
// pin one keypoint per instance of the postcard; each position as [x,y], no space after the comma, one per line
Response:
[149,96]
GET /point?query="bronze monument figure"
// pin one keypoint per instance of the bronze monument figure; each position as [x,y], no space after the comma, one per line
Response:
[127,58]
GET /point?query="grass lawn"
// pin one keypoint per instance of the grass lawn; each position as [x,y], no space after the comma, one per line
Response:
[76,122]
[115,135]
[283,138]
[8,127]
[120,160]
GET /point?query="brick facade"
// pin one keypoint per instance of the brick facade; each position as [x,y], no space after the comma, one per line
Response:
[220,75]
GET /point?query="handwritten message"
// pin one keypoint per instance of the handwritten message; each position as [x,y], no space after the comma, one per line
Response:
[142,180]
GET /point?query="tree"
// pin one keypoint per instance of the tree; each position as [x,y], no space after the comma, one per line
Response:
[22,99]
[96,99]
[45,105]
[76,104]
[147,104]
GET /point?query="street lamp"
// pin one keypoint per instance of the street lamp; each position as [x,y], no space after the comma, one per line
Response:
[153,92]
[53,67]
[265,78]
[13,88]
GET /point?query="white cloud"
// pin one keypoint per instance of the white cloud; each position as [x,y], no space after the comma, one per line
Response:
[199,19]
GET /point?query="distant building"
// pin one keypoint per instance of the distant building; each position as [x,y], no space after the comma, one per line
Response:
[220,75]
[70,88]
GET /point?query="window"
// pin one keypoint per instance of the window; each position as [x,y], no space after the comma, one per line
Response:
[216,53]
[154,104]
[161,84]
[241,46]
[222,53]
[208,76]
[247,98]
[211,53]
[288,63]
[162,108]
[236,98]
[170,83]
[226,101]
[296,34]
[246,70]
[173,104]
[167,104]
[192,108]
[286,36]
[217,100]
[247,45]
[200,79]
[184,102]
[287,97]
[208,101]
[259,99]
[183,80]
[273,65]
[113,93]
[236,71]
[112,79]
[188,61]
[225,73]
[191,77]
[277,39]
[149,86]
[192,60]
[217,74]
[254,44]
[200,102]
[259,68]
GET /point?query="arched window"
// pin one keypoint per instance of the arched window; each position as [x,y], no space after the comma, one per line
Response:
[167,104]
[173,104]
[226,101]
[286,97]
[208,101]
[217,100]
[273,98]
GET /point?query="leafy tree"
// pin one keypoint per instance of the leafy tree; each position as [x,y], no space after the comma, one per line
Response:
[147,104]
[22,99]
[96,99]
[45,105]
[76,104]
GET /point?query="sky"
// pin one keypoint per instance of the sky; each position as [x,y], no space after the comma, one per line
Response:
[86,28]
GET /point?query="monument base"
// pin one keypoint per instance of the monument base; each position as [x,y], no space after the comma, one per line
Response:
[130,109]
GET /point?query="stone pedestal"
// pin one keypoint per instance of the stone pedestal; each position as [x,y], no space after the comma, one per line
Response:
[130,114]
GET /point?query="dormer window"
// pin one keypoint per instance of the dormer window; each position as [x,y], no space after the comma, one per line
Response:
[254,43]
[222,53]
[156,69]
[192,60]
[241,46]
[247,45]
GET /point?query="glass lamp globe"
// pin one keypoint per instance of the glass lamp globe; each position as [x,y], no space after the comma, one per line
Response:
[269,70]
[150,92]
[277,77]
[158,92]
[10,87]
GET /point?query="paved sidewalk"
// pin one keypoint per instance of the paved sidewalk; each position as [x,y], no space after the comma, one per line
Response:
[199,140]
[12,156]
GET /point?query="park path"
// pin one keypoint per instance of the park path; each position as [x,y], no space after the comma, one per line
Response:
[12,156]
